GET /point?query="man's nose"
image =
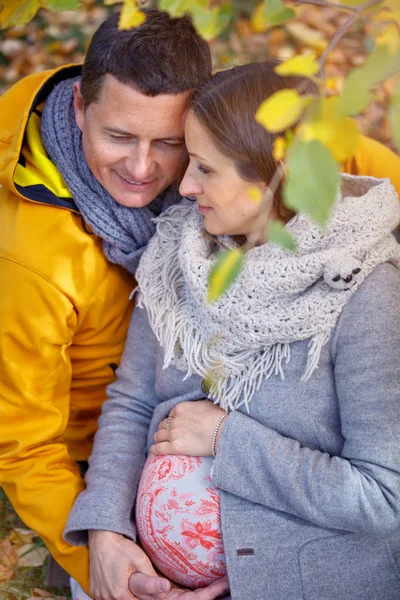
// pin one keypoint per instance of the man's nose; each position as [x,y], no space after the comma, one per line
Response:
[141,163]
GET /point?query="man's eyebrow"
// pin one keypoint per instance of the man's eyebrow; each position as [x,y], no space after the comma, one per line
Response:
[172,138]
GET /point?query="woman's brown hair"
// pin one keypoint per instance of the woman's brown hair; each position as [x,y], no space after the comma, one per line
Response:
[226,104]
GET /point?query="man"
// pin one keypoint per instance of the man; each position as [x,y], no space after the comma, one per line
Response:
[85,165]
[64,307]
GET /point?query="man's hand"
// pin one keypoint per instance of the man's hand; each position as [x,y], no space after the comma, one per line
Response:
[113,559]
[141,587]
[190,429]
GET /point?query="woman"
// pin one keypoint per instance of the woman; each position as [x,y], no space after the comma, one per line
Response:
[301,356]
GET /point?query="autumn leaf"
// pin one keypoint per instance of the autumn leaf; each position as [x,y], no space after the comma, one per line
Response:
[279,149]
[20,536]
[31,555]
[394,114]
[313,38]
[224,272]
[304,65]
[270,13]
[17,13]
[313,180]
[356,95]
[210,22]
[131,15]
[277,234]
[8,559]
[281,110]
[339,134]
[390,37]
[254,194]
[175,8]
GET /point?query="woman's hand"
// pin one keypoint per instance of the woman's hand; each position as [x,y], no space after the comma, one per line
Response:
[140,586]
[189,429]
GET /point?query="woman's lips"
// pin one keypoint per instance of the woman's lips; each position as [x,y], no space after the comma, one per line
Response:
[203,210]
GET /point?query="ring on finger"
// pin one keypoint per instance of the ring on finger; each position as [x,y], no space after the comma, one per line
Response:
[167,423]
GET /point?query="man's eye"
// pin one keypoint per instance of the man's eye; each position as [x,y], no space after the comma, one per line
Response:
[172,144]
[120,138]
[203,169]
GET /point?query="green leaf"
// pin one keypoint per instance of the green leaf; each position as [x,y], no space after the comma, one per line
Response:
[61,4]
[281,17]
[313,180]
[175,8]
[356,95]
[277,234]
[224,272]
[394,114]
[209,23]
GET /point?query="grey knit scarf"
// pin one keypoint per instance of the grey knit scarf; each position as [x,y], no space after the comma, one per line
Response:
[125,231]
[279,297]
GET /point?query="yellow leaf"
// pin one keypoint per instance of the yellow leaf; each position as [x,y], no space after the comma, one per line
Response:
[281,110]
[304,65]
[131,15]
[254,193]
[258,21]
[21,536]
[17,13]
[338,134]
[224,272]
[8,559]
[279,148]
[390,37]
[307,36]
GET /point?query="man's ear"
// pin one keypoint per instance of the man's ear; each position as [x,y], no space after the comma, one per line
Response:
[79,105]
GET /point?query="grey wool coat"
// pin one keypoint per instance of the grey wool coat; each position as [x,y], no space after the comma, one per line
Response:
[309,479]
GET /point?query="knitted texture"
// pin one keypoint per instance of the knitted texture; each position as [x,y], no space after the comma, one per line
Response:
[279,297]
[125,231]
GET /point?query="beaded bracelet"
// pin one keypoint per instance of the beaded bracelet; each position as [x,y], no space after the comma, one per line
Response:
[213,448]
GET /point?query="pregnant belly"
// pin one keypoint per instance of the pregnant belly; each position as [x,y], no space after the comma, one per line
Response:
[178,519]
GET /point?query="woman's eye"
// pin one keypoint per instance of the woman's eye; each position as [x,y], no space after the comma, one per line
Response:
[203,169]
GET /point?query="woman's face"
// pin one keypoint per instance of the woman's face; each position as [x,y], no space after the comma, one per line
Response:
[222,195]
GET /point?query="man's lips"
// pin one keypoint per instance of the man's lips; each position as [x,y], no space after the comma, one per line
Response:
[134,183]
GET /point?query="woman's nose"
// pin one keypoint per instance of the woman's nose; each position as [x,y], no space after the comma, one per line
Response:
[189,186]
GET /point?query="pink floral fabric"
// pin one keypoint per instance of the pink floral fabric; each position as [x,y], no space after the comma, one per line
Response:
[178,519]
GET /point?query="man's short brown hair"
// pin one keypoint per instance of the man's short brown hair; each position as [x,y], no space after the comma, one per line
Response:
[162,56]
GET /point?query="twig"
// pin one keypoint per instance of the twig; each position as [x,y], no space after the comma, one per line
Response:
[327,4]
[214,239]
[258,229]
[342,30]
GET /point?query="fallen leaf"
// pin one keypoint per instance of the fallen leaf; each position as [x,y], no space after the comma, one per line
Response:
[31,555]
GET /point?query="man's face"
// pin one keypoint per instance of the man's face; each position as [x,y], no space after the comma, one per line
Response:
[133,144]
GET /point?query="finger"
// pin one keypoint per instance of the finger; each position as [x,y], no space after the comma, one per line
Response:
[212,591]
[162,435]
[161,449]
[165,424]
[148,585]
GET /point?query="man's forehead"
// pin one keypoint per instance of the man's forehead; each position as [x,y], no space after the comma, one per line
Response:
[115,94]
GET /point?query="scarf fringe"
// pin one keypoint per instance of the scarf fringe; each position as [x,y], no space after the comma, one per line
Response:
[281,298]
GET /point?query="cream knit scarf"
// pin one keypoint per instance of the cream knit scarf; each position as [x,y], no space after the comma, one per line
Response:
[279,297]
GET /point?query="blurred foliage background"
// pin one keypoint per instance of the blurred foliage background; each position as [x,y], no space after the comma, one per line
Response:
[52,39]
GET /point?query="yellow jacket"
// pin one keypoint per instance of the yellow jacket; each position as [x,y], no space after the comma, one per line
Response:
[64,313]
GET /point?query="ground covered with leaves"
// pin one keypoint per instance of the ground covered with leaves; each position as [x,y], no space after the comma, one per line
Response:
[54,39]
